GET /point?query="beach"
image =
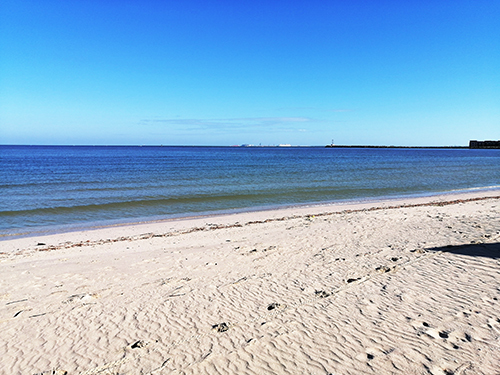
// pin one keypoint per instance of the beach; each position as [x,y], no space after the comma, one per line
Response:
[408,285]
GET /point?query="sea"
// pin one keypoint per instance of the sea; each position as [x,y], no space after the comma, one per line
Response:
[46,189]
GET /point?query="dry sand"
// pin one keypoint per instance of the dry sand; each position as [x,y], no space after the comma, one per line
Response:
[372,288]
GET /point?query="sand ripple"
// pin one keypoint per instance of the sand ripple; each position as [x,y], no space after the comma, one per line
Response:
[409,290]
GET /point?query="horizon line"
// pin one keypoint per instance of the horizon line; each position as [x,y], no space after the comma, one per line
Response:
[234,146]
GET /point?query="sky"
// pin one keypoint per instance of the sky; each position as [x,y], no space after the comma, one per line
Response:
[227,72]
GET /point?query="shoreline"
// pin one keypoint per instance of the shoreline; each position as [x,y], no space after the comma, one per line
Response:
[41,231]
[411,284]
[230,219]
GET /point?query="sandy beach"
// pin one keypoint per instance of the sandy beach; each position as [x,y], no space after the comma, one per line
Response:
[408,286]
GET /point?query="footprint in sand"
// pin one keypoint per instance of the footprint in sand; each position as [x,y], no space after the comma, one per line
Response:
[373,352]
[221,327]
[322,294]
[273,306]
[138,344]
[85,298]
[383,269]
[352,280]
[443,334]
[52,372]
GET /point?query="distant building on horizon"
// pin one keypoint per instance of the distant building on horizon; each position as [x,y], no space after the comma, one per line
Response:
[484,144]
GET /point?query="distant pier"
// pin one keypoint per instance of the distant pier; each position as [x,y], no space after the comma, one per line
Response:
[472,144]
[372,146]
[484,144]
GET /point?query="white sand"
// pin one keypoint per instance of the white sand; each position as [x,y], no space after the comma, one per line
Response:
[374,290]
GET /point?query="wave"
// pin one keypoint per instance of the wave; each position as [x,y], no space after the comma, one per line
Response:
[207,202]
[109,206]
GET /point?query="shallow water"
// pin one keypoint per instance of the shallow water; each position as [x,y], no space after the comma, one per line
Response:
[46,186]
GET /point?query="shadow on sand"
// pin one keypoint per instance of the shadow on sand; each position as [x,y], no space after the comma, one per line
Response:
[488,250]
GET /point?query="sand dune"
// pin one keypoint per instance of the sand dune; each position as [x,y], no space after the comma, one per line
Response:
[374,288]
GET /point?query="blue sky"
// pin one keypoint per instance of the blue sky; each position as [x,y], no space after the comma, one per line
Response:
[261,72]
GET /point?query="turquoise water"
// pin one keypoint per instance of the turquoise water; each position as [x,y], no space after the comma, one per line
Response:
[55,186]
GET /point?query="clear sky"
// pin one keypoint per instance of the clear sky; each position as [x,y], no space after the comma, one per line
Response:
[225,72]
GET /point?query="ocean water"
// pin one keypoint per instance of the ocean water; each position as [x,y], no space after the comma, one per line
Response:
[44,188]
